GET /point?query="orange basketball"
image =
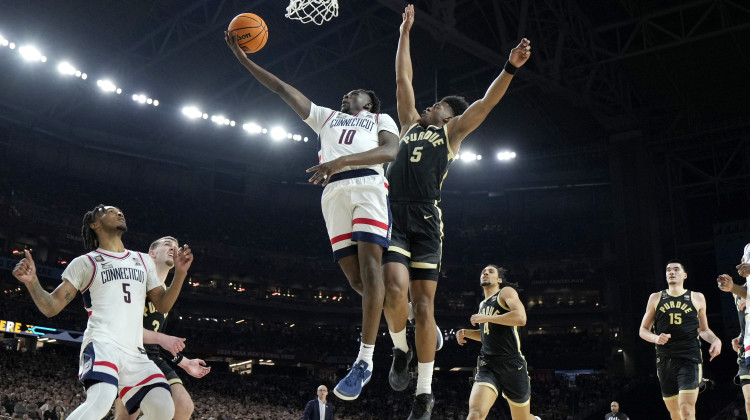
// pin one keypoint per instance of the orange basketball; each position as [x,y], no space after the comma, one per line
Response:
[251,30]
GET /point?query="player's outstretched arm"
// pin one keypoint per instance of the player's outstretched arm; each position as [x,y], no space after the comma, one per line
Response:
[50,304]
[194,367]
[516,317]
[462,125]
[169,343]
[463,334]
[386,152]
[163,300]
[405,102]
[703,330]
[299,102]
[726,284]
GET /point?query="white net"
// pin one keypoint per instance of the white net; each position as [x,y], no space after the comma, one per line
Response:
[317,11]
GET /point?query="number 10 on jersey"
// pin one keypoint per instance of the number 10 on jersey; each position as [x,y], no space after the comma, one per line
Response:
[347,136]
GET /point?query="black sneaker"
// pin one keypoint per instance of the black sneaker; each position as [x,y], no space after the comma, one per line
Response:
[399,376]
[422,408]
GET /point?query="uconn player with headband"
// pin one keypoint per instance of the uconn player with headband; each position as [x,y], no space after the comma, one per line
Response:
[114,283]
[355,142]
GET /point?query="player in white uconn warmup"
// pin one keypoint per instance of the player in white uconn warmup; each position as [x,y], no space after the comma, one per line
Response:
[355,142]
[114,283]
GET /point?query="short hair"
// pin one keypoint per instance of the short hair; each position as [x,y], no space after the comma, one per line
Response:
[90,240]
[158,242]
[676,261]
[458,104]
[374,100]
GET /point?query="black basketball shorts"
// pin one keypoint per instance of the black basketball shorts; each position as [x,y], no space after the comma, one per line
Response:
[416,239]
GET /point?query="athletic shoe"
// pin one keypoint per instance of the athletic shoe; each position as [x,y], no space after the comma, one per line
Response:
[537,418]
[440,339]
[399,376]
[422,408]
[349,388]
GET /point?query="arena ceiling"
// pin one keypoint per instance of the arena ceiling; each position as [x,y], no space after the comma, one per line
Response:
[599,67]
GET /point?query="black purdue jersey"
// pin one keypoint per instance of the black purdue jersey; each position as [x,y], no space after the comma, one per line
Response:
[421,164]
[497,340]
[155,321]
[676,315]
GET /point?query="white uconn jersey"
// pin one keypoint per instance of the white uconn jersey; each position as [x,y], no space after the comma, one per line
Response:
[114,286]
[342,134]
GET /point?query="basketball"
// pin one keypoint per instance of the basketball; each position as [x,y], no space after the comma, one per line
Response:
[251,30]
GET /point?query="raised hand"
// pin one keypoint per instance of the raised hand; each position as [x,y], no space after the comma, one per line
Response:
[230,37]
[520,54]
[183,259]
[25,270]
[408,18]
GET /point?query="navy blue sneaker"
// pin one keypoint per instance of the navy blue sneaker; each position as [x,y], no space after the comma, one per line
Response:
[349,388]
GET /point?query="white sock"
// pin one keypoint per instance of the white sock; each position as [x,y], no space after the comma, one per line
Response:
[399,340]
[424,377]
[365,353]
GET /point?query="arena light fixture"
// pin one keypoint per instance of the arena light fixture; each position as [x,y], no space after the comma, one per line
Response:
[191,112]
[305,140]
[278,133]
[3,42]
[66,68]
[506,155]
[106,85]
[252,128]
[297,137]
[84,76]
[467,156]
[12,45]
[30,53]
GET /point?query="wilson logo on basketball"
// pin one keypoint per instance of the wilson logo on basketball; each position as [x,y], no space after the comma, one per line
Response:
[247,35]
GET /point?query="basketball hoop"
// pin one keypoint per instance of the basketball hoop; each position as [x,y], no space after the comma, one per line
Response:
[317,11]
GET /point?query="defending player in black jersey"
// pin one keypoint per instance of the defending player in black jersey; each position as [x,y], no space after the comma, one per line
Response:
[501,367]
[429,142]
[156,342]
[678,318]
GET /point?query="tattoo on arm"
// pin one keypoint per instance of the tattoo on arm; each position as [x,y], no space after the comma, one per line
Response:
[68,297]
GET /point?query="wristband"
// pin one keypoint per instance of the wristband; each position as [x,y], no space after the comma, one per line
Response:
[177,359]
[510,68]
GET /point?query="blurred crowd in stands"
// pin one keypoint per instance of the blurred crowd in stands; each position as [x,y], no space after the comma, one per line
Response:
[42,385]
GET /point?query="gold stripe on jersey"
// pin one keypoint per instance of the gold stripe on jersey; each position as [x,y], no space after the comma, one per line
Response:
[175,381]
[422,265]
[518,340]
[670,398]
[400,251]
[451,155]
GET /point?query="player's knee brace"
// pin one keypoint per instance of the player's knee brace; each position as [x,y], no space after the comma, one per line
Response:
[157,404]
[99,399]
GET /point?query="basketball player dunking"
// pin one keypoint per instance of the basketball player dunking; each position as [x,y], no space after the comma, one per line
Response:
[679,318]
[114,283]
[501,368]
[354,142]
[429,143]
[162,252]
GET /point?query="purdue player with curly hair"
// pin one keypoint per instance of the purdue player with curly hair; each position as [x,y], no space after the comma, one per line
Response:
[501,367]
[162,251]
[114,283]
[429,142]
[678,318]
